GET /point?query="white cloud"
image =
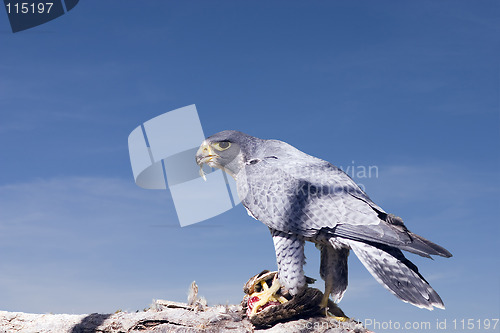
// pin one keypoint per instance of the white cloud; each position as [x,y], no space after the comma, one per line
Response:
[66,240]
[87,244]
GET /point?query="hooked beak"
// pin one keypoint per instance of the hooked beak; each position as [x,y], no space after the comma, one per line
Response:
[205,154]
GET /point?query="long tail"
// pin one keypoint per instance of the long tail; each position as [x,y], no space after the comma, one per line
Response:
[400,276]
[424,247]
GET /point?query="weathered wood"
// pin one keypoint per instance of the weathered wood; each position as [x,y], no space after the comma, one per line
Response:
[300,314]
[164,316]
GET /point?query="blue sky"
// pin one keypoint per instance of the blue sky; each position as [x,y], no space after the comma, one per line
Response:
[409,87]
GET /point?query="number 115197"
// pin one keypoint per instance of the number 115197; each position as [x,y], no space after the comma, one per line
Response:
[475,324]
[29,8]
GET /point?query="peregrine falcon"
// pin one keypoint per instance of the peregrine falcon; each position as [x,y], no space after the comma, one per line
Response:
[303,198]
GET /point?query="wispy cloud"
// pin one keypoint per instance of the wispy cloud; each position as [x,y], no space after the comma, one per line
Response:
[65,239]
[89,93]
[86,244]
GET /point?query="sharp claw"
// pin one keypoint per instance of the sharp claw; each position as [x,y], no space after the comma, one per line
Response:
[336,313]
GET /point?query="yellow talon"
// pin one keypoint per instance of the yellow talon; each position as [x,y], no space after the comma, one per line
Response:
[327,304]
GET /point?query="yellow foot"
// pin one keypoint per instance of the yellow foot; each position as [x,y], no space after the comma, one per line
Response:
[342,319]
[268,294]
[332,310]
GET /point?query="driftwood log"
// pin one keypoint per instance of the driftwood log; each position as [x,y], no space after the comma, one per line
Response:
[301,314]
[167,317]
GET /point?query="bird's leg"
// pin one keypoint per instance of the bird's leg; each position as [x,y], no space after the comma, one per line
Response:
[335,312]
[333,270]
[324,300]
[331,309]
[268,294]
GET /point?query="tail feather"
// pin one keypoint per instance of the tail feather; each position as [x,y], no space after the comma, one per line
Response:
[424,247]
[400,276]
[417,244]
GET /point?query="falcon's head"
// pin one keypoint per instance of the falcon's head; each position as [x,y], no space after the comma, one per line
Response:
[226,150]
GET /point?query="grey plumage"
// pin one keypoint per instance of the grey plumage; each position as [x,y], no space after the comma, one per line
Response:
[303,198]
[290,253]
[333,270]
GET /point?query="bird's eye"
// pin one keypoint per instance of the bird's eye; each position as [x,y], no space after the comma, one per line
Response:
[223,145]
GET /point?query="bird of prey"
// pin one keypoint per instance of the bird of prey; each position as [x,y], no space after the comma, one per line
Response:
[303,198]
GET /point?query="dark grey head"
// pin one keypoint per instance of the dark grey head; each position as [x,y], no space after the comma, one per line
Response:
[227,150]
